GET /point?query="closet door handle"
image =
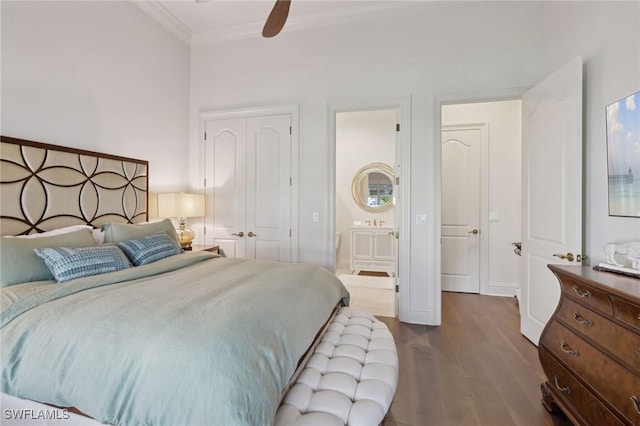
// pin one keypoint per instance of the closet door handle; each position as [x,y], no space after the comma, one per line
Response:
[238,234]
[251,234]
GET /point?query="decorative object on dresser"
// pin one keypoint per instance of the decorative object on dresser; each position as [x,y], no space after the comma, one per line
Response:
[630,250]
[590,348]
[182,206]
[372,249]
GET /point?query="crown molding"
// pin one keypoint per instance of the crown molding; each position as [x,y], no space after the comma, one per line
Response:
[326,18]
[320,19]
[166,19]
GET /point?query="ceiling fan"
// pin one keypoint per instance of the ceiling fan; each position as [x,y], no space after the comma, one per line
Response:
[277,18]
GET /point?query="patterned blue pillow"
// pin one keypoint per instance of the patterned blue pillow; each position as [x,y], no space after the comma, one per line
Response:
[70,263]
[150,248]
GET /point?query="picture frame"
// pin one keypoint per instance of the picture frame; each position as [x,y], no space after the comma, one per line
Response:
[623,156]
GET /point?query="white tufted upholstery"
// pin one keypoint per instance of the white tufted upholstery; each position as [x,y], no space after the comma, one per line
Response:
[349,380]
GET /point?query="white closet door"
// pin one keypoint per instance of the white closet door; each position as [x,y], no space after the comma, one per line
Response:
[226,185]
[248,176]
[269,187]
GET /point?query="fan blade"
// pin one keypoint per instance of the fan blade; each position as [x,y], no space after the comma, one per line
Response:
[277,18]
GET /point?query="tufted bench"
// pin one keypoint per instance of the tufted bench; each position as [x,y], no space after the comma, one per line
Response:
[349,380]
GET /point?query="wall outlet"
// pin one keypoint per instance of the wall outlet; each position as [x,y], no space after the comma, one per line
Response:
[421,219]
[315,217]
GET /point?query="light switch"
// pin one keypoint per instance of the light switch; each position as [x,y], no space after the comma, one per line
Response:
[421,219]
[315,217]
[493,217]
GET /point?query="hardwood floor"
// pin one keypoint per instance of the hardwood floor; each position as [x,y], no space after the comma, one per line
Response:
[475,369]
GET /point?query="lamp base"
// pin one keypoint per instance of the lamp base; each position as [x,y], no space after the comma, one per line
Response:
[185,236]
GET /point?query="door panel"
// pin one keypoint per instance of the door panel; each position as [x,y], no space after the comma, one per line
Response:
[226,184]
[552,190]
[269,192]
[460,249]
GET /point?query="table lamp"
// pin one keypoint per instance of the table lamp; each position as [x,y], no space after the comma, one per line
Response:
[181,206]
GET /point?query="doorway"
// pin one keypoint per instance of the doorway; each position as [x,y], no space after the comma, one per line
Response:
[365,223]
[480,197]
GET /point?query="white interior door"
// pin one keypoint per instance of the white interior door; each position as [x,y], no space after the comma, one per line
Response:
[269,189]
[552,190]
[460,244]
[248,186]
[226,185]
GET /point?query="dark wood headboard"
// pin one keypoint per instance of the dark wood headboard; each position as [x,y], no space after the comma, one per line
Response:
[44,187]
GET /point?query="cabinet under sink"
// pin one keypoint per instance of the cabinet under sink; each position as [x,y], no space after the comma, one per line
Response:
[372,249]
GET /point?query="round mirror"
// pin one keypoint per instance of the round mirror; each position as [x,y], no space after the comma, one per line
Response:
[372,187]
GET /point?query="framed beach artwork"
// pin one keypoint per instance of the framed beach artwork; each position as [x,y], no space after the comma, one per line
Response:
[623,156]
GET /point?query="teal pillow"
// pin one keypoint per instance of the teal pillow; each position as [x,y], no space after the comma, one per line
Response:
[68,264]
[118,232]
[149,249]
[19,263]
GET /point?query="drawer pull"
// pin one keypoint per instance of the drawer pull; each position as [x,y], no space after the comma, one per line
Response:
[581,320]
[581,293]
[567,349]
[636,403]
[638,353]
[567,389]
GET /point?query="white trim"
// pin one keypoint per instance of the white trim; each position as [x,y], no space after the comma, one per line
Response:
[165,18]
[439,100]
[403,105]
[294,111]
[317,19]
[502,289]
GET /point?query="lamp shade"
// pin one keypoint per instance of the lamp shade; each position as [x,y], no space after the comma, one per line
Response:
[179,204]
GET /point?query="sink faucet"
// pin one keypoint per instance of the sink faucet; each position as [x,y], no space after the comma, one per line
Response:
[368,222]
[374,223]
[381,222]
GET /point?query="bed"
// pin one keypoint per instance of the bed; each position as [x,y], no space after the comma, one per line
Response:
[157,336]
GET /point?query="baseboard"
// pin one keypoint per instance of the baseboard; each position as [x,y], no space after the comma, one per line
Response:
[502,289]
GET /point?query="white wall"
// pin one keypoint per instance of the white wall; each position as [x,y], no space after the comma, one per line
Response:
[607,36]
[503,120]
[362,137]
[434,48]
[101,76]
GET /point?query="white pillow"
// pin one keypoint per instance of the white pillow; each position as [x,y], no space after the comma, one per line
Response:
[59,231]
[98,235]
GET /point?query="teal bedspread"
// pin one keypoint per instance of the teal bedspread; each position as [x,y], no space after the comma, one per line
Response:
[189,340]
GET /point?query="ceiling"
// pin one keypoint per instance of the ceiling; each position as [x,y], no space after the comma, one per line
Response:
[197,22]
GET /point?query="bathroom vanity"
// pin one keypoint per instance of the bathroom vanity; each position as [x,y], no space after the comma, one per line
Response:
[372,249]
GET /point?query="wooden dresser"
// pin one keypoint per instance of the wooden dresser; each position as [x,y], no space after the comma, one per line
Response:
[590,349]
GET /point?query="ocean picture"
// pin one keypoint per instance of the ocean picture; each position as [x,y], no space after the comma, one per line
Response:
[623,156]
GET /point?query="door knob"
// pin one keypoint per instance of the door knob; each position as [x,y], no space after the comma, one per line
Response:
[251,234]
[239,234]
[474,232]
[568,256]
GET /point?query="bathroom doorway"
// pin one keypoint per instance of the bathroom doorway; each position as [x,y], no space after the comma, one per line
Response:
[365,214]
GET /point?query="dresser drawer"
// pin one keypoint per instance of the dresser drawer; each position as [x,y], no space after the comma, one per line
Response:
[610,336]
[588,295]
[567,389]
[627,312]
[614,383]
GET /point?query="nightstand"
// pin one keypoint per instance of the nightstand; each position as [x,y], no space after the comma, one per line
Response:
[202,247]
